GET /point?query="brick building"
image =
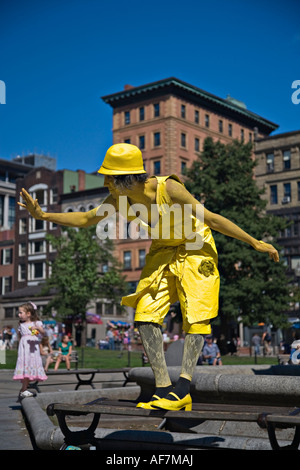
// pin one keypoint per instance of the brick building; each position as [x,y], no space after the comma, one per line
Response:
[31,252]
[278,172]
[10,171]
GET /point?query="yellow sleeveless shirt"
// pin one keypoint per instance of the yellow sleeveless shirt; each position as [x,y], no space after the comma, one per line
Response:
[196,268]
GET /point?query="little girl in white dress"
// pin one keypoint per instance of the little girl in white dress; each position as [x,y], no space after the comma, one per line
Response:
[29,365]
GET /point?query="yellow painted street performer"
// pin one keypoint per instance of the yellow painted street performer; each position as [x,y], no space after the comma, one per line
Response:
[181,264]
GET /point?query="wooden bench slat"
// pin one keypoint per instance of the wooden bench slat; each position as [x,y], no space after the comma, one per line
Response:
[210,413]
[86,371]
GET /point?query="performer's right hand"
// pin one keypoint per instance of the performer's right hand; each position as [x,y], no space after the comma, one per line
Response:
[31,205]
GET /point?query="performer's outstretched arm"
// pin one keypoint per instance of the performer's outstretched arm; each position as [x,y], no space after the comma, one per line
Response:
[69,219]
[180,195]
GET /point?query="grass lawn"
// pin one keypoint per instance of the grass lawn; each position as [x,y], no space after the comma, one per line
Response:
[250,360]
[105,359]
[90,358]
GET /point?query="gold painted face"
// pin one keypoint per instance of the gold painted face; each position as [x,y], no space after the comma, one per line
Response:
[108,182]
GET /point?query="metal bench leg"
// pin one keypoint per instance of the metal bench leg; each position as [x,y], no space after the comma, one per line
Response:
[35,386]
[126,379]
[273,439]
[85,382]
[87,436]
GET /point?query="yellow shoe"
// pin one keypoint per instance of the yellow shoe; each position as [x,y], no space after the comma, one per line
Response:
[171,405]
[148,405]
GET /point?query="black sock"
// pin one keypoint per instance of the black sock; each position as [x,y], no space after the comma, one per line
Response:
[182,388]
[161,392]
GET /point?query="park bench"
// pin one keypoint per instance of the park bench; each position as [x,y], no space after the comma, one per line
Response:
[267,417]
[81,375]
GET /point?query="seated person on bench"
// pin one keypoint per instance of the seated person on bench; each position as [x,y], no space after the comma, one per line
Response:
[65,349]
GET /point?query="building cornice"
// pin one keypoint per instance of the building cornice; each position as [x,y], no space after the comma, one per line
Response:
[175,86]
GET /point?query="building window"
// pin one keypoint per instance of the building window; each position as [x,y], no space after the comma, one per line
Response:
[41,196]
[6,285]
[127,259]
[132,286]
[53,196]
[156,139]
[242,135]
[230,130]
[270,162]
[9,312]
[142,258]
[156,167]
[37,270]
[273,193]
[156,109]
[127,117]
[250,137]
[108,309]
[22,272]
[206,120]
[221,126]
[142,113]
[127,141]
[7,256]
[183,167]
[298,187]
[53,226]
[37,247]
[183,111]
[23,226]
[197,144]
[295,229]
[37,225]
[141,142]
[197,116]
[287,194]
[2,210]
[22,249]
[183,139]
[286,159]
[11,211]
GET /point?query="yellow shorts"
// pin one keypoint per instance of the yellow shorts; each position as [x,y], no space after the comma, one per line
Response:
[154,310]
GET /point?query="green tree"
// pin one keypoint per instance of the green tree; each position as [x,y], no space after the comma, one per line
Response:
[76,278]
[252,286]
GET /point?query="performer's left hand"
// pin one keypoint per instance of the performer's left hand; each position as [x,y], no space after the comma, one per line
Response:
[267,248]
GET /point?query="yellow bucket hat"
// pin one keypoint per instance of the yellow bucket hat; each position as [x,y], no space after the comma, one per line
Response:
[122,159]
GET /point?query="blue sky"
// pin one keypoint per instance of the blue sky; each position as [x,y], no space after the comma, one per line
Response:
[59,57]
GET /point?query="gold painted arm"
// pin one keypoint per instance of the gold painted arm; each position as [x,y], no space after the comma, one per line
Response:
[180,195]
[69,219]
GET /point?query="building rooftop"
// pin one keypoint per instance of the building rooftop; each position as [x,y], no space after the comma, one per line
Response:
[173,85]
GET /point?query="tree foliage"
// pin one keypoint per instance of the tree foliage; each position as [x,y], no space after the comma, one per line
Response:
[252,286]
